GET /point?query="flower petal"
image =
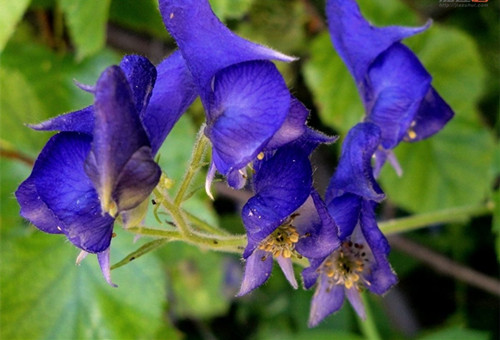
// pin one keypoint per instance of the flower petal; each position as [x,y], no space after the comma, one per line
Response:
[137,179]
[354,173]
[310,274]
[34,209]
[358,42]
[398,82]
[326,300]
[77,121]
[345,211]
[103,258]
[258,268]
[432,116]
[65,189]
[173,93]
[118,133]
[354,298]
[207,45]
[293,127]
[317,230]
[141,75]
[282,184]
[287,269]
[250,103]
[381,276]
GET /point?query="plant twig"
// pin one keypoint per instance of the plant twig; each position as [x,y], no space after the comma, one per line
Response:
[446,266]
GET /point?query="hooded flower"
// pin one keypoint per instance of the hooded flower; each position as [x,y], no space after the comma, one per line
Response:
[394,86]
[101,164]
[361,260]
[286,218]
[245,97]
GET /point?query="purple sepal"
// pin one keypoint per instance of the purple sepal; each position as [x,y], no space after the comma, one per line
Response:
[282,184]
[103,258]
[250,102]
[287,269]
[354,173]
[173,93]
[317,229]
[358,42]
[326,300]
[207,45]
[258,268]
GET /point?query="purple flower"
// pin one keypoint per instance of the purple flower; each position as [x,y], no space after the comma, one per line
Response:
[286,218]
[101,164]
[394,86]
[361,260]
[245,97]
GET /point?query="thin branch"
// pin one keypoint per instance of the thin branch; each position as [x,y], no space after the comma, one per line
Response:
[446,266]
[17,156]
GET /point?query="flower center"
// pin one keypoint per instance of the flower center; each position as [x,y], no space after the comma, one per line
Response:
[282,241]
[346,265]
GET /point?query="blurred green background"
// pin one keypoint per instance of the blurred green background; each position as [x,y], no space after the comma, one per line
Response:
[180,292]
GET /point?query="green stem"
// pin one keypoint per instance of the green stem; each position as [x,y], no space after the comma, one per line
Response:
[194,165]
[232,244]
[367,326]
[206,227]
[144,249]
[459,214]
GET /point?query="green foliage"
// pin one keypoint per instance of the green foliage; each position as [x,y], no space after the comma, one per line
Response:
[10,14]
[86,20]
[141,16]
[230,9]
[44,295]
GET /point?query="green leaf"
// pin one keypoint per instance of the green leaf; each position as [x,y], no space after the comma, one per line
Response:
[454,333]
[18,103]
[142,16]
[10,14]
[45,296]
[334,92]
[196,280]
[38,84]
[278,24]
[86,20]
[230,9]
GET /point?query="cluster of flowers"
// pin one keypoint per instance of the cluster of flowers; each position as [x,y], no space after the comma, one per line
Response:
[100,165]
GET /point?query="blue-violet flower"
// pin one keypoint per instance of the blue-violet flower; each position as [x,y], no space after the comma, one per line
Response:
[361,260]
[101,165]
[394,86]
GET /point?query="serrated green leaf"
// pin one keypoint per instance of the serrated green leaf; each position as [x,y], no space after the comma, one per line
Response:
[45,296]
[10,14]
[86,20]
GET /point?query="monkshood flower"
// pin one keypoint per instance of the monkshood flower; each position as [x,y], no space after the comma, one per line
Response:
[245,97]
[394,86]
[361,260]
[286,218]
[101,165]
